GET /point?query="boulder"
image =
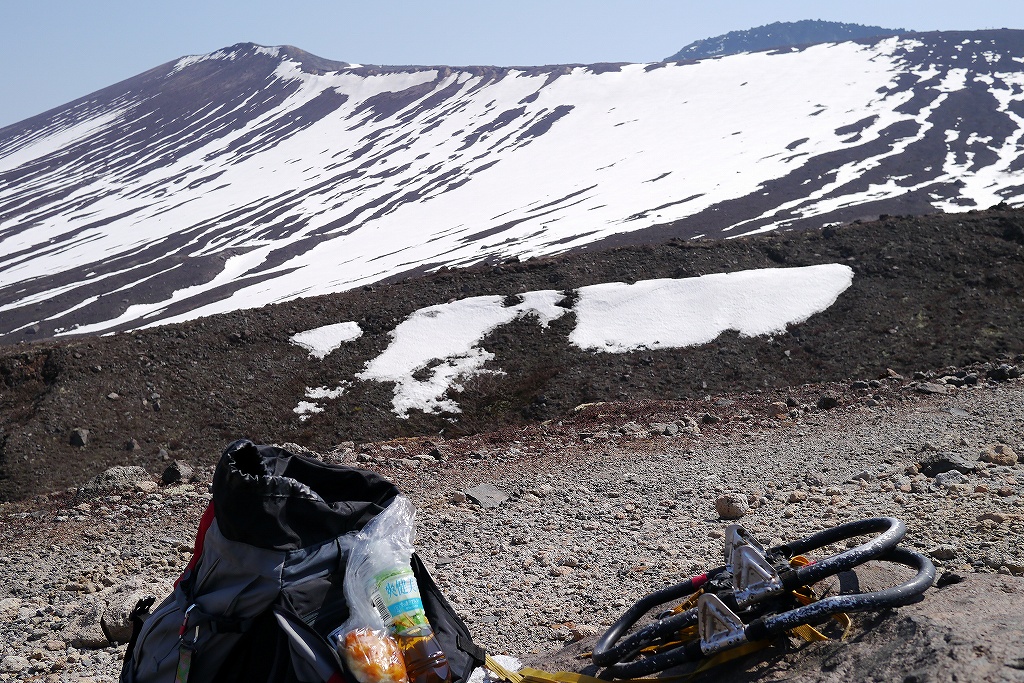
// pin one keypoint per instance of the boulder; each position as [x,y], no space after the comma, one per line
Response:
[115,620]
[119,477]
[935,463]
[83,629]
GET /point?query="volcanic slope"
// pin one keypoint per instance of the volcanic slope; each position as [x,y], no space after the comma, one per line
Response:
[926,293]
[255,175]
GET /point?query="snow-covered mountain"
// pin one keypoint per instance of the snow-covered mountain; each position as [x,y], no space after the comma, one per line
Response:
[256,175]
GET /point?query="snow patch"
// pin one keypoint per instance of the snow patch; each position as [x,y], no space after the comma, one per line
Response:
[307,408]
[436,348]
[658,314]
[322,340]
[324,392]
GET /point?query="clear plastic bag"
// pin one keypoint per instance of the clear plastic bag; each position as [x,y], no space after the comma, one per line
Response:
[378,577]
[372,656]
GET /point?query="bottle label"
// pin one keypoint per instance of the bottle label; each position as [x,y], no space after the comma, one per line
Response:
[401,596]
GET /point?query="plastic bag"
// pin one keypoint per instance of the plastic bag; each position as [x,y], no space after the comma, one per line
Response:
[379,559]
[372,656]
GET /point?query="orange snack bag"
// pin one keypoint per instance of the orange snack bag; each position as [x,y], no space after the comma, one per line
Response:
[373,656]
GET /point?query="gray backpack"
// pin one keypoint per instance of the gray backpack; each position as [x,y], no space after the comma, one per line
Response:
[265,585]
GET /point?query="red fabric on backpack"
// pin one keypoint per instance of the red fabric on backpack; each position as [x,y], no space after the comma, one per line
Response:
[197,548]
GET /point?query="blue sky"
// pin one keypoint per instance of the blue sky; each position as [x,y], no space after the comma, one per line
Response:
[53,51]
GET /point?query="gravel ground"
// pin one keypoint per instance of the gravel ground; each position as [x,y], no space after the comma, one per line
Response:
[599,511]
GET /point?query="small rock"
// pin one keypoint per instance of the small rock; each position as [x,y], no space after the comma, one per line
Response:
[178,471]
[732,505]
[828,401]
[814,479]
[487,495]
[664,428]
[113,396]
[864,475]
[948,579]
[131,445]
[710,418]
[797,496]
[950,478]
[633,429]
[79,437]
[459,497]
[999,454]
[932,388]
[943,552]
[1003,372]
[14,664]
[9,608]
[997,517]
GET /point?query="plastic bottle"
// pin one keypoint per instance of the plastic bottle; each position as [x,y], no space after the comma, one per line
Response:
[397,597]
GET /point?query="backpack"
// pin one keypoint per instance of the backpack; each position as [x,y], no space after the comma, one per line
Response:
[265,584]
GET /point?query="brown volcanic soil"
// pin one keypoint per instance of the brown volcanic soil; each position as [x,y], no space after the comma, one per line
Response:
[929,292]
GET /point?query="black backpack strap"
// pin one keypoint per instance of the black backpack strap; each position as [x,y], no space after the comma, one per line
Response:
[313,659]
[137,617]
[194,616]
[457,642]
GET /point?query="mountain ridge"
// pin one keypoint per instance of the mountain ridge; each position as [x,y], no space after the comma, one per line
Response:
[778,35]
[215,183]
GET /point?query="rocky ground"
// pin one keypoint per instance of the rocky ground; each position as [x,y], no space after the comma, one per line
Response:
[541,535]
